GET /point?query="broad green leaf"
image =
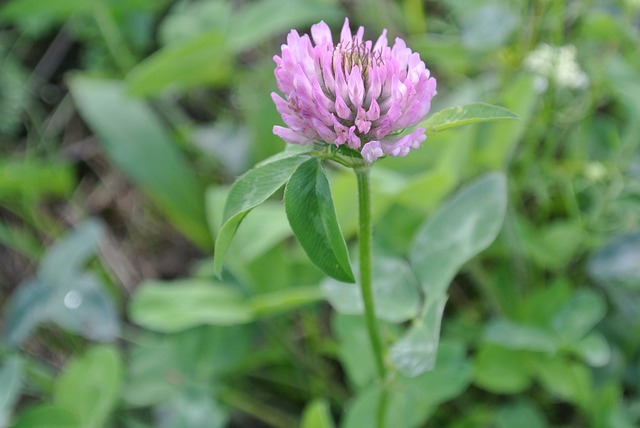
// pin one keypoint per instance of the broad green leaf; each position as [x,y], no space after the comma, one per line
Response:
[593,349]
[312,216]
[249,191]
[465,115]
[457,232]
[514,336]
[415,352]
[202,60]
[178,305]
[568,380]
[160,366]
[579,315]
[618,261]
[10,386]
[45,415]
[90,385]
[63,293]
[412,400]
[264,19]
[317,414]
[501,370]
[466,225]
[284,300]
[192,406]
[26,308]
[514,415]
[138,144]
[263,228]
[395,292]
[66,257]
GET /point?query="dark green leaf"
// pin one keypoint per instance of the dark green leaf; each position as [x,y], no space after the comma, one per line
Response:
[249,191]
[312,216]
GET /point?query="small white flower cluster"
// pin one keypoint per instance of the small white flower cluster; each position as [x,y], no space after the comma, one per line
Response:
[558,64]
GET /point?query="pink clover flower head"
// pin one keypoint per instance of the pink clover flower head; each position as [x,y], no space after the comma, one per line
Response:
[354,92]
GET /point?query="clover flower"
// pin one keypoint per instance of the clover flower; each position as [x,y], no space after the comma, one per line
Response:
[355,92]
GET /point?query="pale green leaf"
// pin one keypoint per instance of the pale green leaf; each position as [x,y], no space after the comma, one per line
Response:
[317,414]
[395,292]
[138,144]
[198,61]
[466,225]
[90,385]
[464,115]
[415,352]
[11,374]
[178,305]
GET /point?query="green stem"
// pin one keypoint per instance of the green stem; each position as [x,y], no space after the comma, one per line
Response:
[365,233]
[364,240]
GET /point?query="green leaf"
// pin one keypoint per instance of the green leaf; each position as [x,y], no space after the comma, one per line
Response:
[579,315]
[178,305]
[141,147]
[45,415]
[63,293]
[395,291]
[65,259]
[412,400]
[461,229]
[593,349]
[458,231]
[501,370]
[262,20]
[34,179]
[515,336]
[568,380]
[464,115]
[415,352]
[249,191]
[317,414]
[10,386]
[513,415]
[160,366]
[194,62]
[90,385]
[284,300]
[57,10]
[618,262]
[192,406]
[312,216]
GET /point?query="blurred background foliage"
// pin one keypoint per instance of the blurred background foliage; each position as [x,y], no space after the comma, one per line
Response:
[122,124]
